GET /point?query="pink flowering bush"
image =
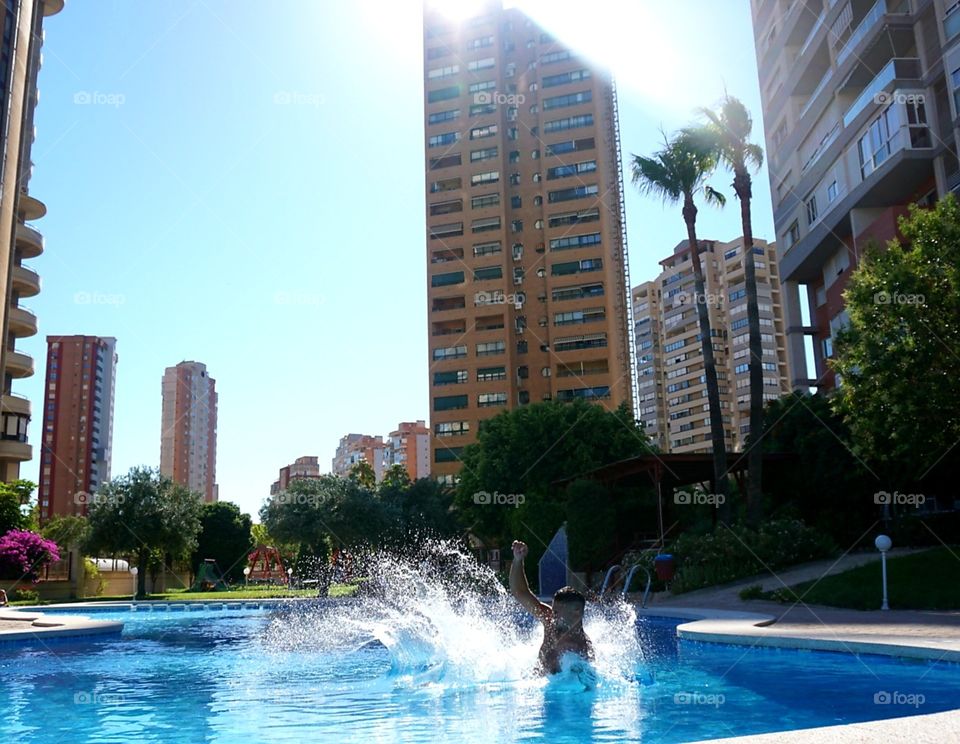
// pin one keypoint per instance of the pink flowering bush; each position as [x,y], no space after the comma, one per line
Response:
[23,554]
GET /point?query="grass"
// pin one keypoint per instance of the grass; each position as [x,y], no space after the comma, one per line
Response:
[922,581]
[232,594]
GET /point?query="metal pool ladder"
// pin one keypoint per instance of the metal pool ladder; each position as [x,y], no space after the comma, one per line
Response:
[626,584]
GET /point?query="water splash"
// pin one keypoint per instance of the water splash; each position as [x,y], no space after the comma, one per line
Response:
[443,618]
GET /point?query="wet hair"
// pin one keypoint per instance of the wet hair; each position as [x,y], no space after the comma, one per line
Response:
[569,594]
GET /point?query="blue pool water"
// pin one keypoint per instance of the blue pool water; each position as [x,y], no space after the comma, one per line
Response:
[347,671]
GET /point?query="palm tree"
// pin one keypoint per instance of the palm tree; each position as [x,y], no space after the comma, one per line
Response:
[677,173]
[727,134]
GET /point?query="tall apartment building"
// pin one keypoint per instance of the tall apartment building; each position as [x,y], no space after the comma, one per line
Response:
[354,448]
[528,293]
[22,38]
[188,440]
[671,382]
[409,446]
[77,440]
[302,467]
[860,103]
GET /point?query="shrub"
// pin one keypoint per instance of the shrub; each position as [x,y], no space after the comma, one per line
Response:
[23,554]
[731,553]
[29,596]
[754,591]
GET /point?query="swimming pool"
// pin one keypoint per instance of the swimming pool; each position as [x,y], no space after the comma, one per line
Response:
[350,671]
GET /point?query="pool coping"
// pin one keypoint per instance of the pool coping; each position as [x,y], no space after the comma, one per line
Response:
[40,626]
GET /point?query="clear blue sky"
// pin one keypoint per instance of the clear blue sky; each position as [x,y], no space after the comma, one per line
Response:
[241,183]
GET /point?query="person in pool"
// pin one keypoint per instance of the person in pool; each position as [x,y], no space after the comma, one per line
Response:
[562,623]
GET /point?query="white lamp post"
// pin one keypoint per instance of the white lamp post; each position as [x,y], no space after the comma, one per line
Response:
[884,544]
[246,574]
[133,572]
[290,578]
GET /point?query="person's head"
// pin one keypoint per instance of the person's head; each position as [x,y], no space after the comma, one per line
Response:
[568,606]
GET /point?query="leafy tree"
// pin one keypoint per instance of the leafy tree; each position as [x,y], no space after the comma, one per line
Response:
[591,522]
[225,536]
[395,477]
[363,473]
[418,510]
[142,512]
[67,530]
[727,133]
[23,555]
[677,174]
[14,502]
[898,357]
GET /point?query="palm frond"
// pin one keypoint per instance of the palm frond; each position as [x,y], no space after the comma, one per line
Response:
[713,197]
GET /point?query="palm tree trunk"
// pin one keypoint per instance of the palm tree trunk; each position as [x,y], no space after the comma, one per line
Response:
[709,362]
[743,187]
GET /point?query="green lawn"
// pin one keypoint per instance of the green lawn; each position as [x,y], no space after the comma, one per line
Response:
[181,595]
[922,581]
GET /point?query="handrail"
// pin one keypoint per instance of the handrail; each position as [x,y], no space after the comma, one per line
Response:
[606,579]
[646,591]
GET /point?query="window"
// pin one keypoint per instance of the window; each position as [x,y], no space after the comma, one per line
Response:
[485,154]
[832,192]
[571,99]
[454,377]
[515,202]
[437,52]
[602,391]
[485,400]
[438,73]
[587,341]
[578,292]
[480,42]
[575,241]
[480,87]
[445,162]
[451,428]
[481,64]
[485,131]
[449,230]
[483,178]
[448,454]
[447,184]
[490,272]
[442,116]
[449,352]
[576,192]
[573,267]
[563,78]
[812,210]
[491,348]
[486,224]
[571,122]
[559,148]
[480,202]
[574,218]
[450,402]
[443,94]
[562,171]
[737,294]
[446,280]
[793,235]
[486,249]
[447,207]
[482,109]
[548,59]
[491,374]
[590,315]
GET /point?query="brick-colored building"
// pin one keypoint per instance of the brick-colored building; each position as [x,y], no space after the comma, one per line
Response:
[77,422]
[409,446]
[356,447]
[188,440]
[526,256]
[302,467]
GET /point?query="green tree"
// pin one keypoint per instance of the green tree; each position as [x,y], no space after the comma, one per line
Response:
[727,133]
[677,174]
[363,473]
[142,512]
[66,531]
[225,536]
[418,510]
[14,506]
[898,356]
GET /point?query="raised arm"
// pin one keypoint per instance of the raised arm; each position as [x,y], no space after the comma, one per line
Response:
[519,587]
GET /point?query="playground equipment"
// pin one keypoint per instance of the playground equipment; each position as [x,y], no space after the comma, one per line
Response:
[209,578]
[266,565]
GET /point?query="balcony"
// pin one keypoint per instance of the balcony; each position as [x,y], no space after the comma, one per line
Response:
[26,281]
[12,450]
[30,208]
[23,323]
[900,69]
[951,25]
[17,404]
[869,23]
[19,365]
[52,7]
[29,241]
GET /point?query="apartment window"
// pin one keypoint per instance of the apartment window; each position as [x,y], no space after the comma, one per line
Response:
[571,99]
[481,64]
[480,42]
[482,86]
[737,294]
[446,280]
[442,116]
[487,130]
[574,218]
[454,377]
[445,162]
[448,454]
[485,400]
[449,230]
[590,393]
[560,148]
[447,184]
[811,209]
[490,272]
[491,348]
[515,202]
[478,179]
[451,428]
[586,341]
[590,315]
[563,171]
[447,207]
[571,122]
[563,78]
[574,267]
[951,20]
[449,352]
[437,52]
[917,123]
[443,94]
[438,73]
[552,57]
[482,109]
[485,225]
[832,192]
[486,249]
[491,374]
[484,154]
[874,146]
[578,292]
[780,134]
[575,241]
[793,235]
[480,202]
[575,192]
